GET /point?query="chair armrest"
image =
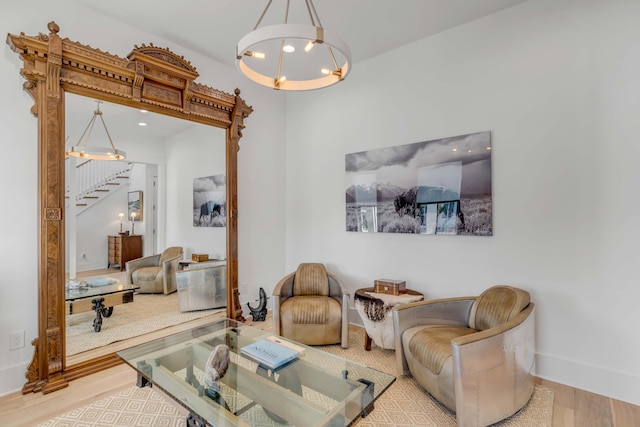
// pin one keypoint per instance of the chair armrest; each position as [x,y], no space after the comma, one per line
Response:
[448,311]
[284,288]
[135,264]
[344,333]
[499,358]
[340,294]
[282,291]
[169,269]
[336,289]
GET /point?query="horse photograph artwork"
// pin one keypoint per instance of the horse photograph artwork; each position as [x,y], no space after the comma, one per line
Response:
[209,201]
[441,186]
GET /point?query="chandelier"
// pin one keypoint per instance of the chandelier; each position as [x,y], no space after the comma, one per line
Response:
[293,56]
[85,151]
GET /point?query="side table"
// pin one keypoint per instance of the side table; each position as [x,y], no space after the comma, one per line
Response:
[373,309]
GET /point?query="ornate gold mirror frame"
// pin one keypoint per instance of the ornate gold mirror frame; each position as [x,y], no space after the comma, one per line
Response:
[149,78]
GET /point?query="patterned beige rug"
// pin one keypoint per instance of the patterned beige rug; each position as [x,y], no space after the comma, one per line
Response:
[147,313]
[404,404]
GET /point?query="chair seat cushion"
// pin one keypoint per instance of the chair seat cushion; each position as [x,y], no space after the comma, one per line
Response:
[311,320]
[431,346]
[310,309]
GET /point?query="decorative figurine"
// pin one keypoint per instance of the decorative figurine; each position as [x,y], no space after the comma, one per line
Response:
[214,370]
[260,312]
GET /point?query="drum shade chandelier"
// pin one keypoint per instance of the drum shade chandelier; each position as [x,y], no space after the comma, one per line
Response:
[85,151]
[293,56]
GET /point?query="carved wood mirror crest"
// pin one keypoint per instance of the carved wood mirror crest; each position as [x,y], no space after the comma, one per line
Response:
[150,78]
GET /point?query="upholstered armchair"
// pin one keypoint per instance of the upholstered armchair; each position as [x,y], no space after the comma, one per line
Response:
[155,274]
[311,306]
[474,354]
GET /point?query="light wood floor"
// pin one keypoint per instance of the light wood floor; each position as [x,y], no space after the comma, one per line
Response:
[571,407]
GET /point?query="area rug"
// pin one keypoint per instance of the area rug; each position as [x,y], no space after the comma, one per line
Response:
[147,313]
[131,407]
[405,403]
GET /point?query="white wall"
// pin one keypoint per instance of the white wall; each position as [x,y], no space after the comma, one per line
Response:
[261,251]
[195,153]
[94,225]
[556,82]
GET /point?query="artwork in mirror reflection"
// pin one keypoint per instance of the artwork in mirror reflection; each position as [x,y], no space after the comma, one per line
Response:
[441,186]
[134,205]
[209,201]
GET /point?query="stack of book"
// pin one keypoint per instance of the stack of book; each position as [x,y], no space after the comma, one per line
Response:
[272,354]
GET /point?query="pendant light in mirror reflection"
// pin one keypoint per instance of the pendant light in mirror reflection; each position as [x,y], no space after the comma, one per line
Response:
[95,152]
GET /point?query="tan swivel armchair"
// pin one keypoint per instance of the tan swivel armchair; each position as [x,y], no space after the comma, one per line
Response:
[475,354]
[311,306]
[155,274]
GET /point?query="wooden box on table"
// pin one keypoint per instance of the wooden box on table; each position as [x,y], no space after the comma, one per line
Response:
[390,286]
[199,257]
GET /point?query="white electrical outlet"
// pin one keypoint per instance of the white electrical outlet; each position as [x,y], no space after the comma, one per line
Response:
[16,340]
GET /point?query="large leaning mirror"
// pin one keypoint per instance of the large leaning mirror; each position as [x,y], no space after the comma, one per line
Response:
[171,165]
[149,78]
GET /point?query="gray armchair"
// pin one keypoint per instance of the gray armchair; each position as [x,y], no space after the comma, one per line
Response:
[311,306]
[474,354]
[155,274]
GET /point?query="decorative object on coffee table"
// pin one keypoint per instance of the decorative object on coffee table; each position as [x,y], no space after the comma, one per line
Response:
[374,308]
[259,313]
[214,370]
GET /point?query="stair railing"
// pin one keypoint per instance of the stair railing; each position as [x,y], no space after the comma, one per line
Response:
[94,177]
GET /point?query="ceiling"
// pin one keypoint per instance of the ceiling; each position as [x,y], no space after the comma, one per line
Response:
[369,27]
[213,27]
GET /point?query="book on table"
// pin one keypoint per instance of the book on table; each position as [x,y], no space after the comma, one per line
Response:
[269,354]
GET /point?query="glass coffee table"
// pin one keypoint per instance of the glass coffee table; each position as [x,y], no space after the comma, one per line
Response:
[316,389]
[99,295]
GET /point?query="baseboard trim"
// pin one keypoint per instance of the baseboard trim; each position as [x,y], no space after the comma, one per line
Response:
[595,379]
[12,378]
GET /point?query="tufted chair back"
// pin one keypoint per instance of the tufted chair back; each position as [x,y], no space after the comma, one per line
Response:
[497,305]
[311,279]
[170,253]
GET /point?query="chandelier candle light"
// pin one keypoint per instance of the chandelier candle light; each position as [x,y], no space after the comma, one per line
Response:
[85,151]
[307,56]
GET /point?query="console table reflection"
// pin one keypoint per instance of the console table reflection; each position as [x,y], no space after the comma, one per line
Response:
[123,249]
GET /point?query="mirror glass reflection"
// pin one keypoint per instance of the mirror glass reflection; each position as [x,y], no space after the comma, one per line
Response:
[172,181]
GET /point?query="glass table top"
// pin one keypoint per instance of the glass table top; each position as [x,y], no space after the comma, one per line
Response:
[97,287]
[316,389]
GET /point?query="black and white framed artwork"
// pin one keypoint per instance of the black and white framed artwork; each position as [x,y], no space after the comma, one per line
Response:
[210,201]
[442,186]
